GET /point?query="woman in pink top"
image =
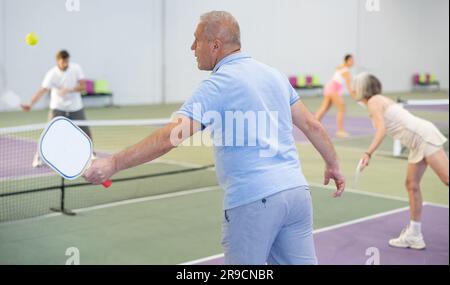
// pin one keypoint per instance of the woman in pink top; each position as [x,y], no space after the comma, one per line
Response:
[333,94]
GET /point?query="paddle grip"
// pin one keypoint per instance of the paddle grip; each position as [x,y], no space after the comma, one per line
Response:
[107,183]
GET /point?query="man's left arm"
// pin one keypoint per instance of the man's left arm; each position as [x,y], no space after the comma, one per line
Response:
[81,83]
[80,87]
[314,131]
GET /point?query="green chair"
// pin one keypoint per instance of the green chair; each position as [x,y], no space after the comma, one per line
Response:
[422,78]
[433,78]
[101,87]
[316,80]
[301,81]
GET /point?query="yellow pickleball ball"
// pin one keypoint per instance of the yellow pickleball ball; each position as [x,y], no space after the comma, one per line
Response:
[31,39]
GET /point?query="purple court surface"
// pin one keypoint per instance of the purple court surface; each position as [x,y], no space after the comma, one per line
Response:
[356,243]
[17,156]
[355,126]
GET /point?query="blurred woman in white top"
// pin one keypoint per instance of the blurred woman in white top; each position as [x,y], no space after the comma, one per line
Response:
[424,141]
[332,94]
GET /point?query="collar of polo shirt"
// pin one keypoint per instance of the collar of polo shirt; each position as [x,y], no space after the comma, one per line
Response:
[229,58]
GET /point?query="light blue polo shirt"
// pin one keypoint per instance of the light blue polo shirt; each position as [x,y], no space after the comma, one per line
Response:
[246,106]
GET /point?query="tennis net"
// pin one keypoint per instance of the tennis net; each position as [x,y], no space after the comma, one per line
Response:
[435,110]
[29,188]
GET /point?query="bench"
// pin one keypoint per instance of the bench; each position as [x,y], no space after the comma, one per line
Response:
[307,85]
[97,90]
[425,81]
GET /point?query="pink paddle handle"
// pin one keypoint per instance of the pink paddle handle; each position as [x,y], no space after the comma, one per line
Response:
[107,183]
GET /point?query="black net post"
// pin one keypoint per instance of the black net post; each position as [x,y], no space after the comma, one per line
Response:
[62,209]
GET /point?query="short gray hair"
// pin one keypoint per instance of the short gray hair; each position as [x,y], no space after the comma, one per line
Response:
[366,86]
[223,26]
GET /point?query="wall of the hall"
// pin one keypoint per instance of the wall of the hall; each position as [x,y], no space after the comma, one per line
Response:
[114,40]
[403,37]
[293,35]
[406,36]
[2,46]
[121,41]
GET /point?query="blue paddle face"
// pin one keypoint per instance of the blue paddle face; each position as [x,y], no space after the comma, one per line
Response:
[65,148]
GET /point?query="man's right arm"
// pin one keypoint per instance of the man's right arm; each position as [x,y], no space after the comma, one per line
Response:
[36,97]
[155,145]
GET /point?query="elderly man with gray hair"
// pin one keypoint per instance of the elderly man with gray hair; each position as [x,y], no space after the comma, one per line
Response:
[267,206]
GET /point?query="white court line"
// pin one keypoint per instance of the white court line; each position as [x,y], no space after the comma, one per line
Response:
[435,205]
[429,102]
[377,195]
[33,219]
[360,220]
[126,202]
[145,199]
[350,190]
[193,262]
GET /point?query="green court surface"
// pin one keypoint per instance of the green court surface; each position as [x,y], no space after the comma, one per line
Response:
[177,218]
[169,230]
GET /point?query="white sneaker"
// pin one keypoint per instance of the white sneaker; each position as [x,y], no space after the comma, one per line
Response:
[407,240]
[37,161]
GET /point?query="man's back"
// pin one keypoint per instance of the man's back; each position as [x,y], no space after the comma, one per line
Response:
[247,106]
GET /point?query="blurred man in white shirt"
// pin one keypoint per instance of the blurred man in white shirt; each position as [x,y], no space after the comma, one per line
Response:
[65,81]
